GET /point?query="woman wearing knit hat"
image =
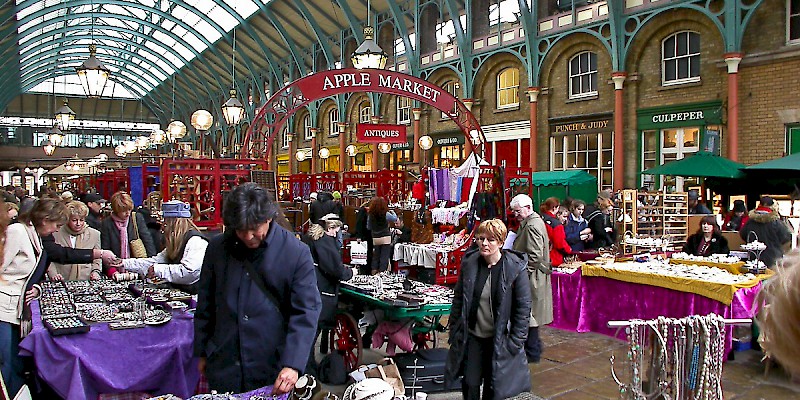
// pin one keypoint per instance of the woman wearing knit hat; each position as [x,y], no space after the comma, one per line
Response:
[180,262]
[736,219]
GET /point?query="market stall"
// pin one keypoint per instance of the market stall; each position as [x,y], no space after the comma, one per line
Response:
[84,332]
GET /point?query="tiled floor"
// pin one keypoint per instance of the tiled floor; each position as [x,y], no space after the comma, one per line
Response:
[575,366]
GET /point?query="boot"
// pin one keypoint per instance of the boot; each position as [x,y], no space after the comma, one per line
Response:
[533,346]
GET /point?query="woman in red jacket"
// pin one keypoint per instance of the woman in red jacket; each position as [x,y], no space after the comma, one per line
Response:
[555,232]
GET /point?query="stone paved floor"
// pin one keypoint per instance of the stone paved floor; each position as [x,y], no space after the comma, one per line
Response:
[575,366]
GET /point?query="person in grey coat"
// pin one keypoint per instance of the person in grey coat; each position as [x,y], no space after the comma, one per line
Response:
[258,302]
[532,240]
[489,319]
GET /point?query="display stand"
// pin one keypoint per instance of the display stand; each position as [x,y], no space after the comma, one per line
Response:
[661,216]
[204,184]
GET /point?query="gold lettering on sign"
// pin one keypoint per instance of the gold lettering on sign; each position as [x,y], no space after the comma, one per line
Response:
[582,126]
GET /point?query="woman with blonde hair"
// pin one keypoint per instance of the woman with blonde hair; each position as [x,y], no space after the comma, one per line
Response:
[77,234]
[182,259]
[123,227]
[489,319]
[779,319]
[24,265]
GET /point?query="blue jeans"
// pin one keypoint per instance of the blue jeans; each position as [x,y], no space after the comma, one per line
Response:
[10,363]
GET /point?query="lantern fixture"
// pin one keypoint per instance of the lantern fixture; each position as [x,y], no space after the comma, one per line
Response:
[300,155]
[129,146]
[351,150]
[425,142]
[49,149]
[384,147]
[93,74]
[202,120]
[157,137]
[324,153]
[369,54]
[56,138]
[233,109]
[120,150]
[65,116]
[142,142]
[176,130]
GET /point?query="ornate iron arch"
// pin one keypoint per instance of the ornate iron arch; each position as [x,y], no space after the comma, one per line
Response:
[296,95]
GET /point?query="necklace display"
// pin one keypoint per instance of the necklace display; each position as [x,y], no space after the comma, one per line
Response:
[685,358]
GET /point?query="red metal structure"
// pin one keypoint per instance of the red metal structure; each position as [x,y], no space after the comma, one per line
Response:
[113,181]
[389,184]
[204,183]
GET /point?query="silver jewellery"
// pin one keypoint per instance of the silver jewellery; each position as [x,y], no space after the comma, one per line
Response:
[685,358]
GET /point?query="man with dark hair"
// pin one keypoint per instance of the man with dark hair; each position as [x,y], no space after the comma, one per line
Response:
[258,303]
[764,224]
[95,202]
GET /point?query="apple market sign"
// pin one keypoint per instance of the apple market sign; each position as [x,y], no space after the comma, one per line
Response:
[296,95]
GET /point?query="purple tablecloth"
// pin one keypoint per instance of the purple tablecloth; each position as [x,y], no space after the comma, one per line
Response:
[586,304]
[155,359]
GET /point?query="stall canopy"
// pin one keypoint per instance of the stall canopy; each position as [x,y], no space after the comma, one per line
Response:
[788,164]
[576,184]
[701,164]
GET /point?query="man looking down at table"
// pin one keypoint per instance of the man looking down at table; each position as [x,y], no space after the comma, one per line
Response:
[258,302]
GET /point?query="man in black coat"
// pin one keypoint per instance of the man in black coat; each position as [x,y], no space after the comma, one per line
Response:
[95,203]
[323,206]
[258,302]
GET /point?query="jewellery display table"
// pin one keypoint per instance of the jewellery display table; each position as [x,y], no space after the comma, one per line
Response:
[153,359]
[586,304]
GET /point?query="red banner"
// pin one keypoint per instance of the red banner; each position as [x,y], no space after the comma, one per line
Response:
[381,133]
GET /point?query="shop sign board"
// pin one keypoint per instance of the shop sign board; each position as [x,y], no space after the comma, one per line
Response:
[402,146]
[381,133]
[696,114]
[587,126]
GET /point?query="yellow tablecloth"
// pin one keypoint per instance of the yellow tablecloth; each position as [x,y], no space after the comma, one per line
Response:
[734,268]
[719,292]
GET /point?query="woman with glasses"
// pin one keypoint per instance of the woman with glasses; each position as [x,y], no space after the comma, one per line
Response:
[489,319]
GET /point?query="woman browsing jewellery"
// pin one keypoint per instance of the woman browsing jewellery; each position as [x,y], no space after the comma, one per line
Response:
[122,228]
[181,261]
[24,264]
[707,241]
[489,319]
[77,234]
[576,228]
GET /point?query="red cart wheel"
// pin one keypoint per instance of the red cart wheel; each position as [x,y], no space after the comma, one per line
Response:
[424,340]
[346,338]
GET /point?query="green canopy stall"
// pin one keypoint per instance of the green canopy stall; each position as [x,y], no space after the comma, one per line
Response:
[575,183]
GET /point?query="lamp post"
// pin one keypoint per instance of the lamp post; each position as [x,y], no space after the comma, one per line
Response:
[175,131]
[425,143]
[351,151]
[324,154]
[201,121]
[384,148]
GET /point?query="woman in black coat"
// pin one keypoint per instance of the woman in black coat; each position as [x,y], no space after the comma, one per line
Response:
[707,241]
[121,221]
[330,271]
[489,319]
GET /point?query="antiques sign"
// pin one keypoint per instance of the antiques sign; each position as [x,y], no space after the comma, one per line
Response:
[381,133]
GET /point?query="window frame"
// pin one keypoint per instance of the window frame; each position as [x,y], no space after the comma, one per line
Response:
[789,16]
[365,113]
[455,91]
[502,90]
[590,73]
[403,110]
[561,149]
[333,122]
[307,134]
[285,135]
[677,58]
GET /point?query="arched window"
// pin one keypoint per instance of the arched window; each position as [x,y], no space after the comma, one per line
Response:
[285,137]
[403,110]
[680,58]
[365,113]
[508,88]
[583,75]
[333,120]
[307,127]
[454,88]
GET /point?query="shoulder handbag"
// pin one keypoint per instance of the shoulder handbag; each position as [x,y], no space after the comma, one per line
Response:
[137,245]
[256,277]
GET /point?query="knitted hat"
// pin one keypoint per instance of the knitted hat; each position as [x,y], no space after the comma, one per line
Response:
[337,195]
[738,206]
[176,209]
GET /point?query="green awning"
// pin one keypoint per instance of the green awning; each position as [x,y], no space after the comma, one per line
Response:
[701,164]
[570,177]
[788,163]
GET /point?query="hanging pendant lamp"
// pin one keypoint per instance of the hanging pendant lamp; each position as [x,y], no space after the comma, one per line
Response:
[93,74]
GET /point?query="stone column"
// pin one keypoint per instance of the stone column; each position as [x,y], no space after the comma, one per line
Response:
[314,155]
[733,59]
[417,114]
[533,97]
[619,129]
[342,144]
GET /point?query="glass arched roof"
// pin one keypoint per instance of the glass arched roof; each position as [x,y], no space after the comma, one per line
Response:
[142,42]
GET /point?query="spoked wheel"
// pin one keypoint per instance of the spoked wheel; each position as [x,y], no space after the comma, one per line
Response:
[346,338]
[424,340]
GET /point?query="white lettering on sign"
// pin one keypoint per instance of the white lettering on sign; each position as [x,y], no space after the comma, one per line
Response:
[446,141]
[346,80]
[381,133]
[681,116]
[409,86]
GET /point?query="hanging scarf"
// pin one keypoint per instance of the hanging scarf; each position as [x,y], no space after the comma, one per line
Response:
[122,227]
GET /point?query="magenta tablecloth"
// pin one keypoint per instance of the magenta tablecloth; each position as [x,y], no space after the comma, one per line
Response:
[155,359]
[586,304]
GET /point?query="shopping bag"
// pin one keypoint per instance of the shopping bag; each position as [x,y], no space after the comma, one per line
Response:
[358,252]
